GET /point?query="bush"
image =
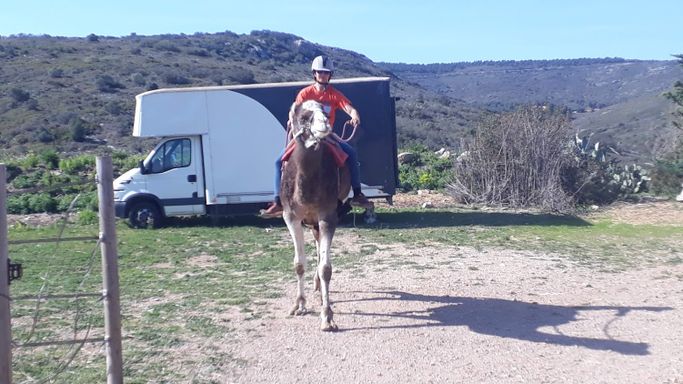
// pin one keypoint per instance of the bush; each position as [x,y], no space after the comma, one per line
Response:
[106,83]
[138,79]
[56,73]
[87,217]
[19,95]
[426,171]
[77,164]
[42,202]
[591,177]
[79,129]
[45,136]
[241,76]
[667,176]
[50,158]
[515,159]
[175,79]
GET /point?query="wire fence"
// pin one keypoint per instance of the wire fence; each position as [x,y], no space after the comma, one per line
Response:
[58,314]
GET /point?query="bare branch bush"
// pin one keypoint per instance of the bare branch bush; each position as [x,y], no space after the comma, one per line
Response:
[515,159]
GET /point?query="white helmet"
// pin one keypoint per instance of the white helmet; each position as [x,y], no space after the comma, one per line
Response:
[322,63]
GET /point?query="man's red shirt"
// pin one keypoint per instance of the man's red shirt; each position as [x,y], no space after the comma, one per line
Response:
[330,98]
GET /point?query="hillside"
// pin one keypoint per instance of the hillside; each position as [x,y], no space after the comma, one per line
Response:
[77,94]
[618,100]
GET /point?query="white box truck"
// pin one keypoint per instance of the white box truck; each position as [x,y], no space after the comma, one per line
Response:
[217,148]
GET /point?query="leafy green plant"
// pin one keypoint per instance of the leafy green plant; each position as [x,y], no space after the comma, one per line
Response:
[594,177]
[77,164]
[426,170]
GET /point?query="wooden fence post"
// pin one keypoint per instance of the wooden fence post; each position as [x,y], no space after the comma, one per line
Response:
[5,318]
[110,270]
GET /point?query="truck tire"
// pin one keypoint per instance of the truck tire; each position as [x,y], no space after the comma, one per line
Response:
[144,215]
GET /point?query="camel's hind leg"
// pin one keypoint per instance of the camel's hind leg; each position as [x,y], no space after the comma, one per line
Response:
[325,272]
[296,230]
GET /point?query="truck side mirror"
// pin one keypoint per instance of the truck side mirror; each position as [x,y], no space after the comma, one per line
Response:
[141,165]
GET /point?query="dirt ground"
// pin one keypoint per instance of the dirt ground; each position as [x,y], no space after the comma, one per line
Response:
[459,315]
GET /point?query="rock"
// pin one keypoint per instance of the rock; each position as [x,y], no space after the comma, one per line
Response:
[427,204]
[406,157]
[462,157]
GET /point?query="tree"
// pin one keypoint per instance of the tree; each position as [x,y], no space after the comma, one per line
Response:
[668,171]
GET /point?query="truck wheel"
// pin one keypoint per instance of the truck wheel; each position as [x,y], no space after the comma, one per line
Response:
[144,215]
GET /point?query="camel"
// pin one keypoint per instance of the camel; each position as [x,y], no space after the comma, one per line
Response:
[313,185]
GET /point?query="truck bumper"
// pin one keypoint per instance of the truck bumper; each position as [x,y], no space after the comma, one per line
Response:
[120,209]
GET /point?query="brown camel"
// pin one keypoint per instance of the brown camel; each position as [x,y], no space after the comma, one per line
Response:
[312,187]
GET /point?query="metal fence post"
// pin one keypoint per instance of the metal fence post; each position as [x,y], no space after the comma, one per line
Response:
[110,270]
[5,318]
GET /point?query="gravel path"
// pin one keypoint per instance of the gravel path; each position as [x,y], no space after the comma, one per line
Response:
[464,316]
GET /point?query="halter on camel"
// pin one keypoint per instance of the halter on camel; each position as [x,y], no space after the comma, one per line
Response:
[312,184]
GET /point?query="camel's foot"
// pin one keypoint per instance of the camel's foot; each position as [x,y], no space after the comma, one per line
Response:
[299,308]
[329,326]
[327,323]
[298,311]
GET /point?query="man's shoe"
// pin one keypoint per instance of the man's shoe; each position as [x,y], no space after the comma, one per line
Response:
[359,200]
[273,210]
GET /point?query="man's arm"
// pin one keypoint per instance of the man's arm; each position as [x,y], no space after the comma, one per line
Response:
[355,116]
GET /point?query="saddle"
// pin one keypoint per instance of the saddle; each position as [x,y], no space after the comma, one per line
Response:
[332,146]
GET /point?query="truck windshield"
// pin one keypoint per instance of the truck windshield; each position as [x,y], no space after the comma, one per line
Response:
[174,153]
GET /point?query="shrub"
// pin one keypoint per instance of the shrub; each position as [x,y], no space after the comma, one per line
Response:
[175,79]
[19,95]
[87,217]
[45,136]
[41,202]
[667,176]
[425,171]
[515,159]
[106,83]
[56,73]
[93,38]
[78,129]
[241,76]
[77,164]
[592,177]
[165,45]
[50,158]
[138,79]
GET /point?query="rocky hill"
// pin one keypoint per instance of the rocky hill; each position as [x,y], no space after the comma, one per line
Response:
[77,94]
[619,101]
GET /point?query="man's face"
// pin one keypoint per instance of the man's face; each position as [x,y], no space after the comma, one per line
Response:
[322,77]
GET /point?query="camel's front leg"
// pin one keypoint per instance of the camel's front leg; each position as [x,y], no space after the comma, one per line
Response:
[325,272]
[296,230]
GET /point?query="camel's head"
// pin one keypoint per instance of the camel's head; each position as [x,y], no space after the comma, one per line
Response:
[311,122]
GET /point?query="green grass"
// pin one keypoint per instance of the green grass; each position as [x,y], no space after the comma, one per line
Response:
[184,286]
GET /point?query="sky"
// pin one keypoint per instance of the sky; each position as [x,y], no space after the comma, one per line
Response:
[397,31]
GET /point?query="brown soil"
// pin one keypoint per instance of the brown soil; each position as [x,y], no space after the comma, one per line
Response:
[460,315]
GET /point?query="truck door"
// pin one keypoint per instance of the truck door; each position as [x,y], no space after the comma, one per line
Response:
[175,177]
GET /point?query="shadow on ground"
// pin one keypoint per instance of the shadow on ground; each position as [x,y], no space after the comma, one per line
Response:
[420,219]
[402,219]
[508,319]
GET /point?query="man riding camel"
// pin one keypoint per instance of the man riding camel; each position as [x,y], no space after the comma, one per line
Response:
[331,99]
